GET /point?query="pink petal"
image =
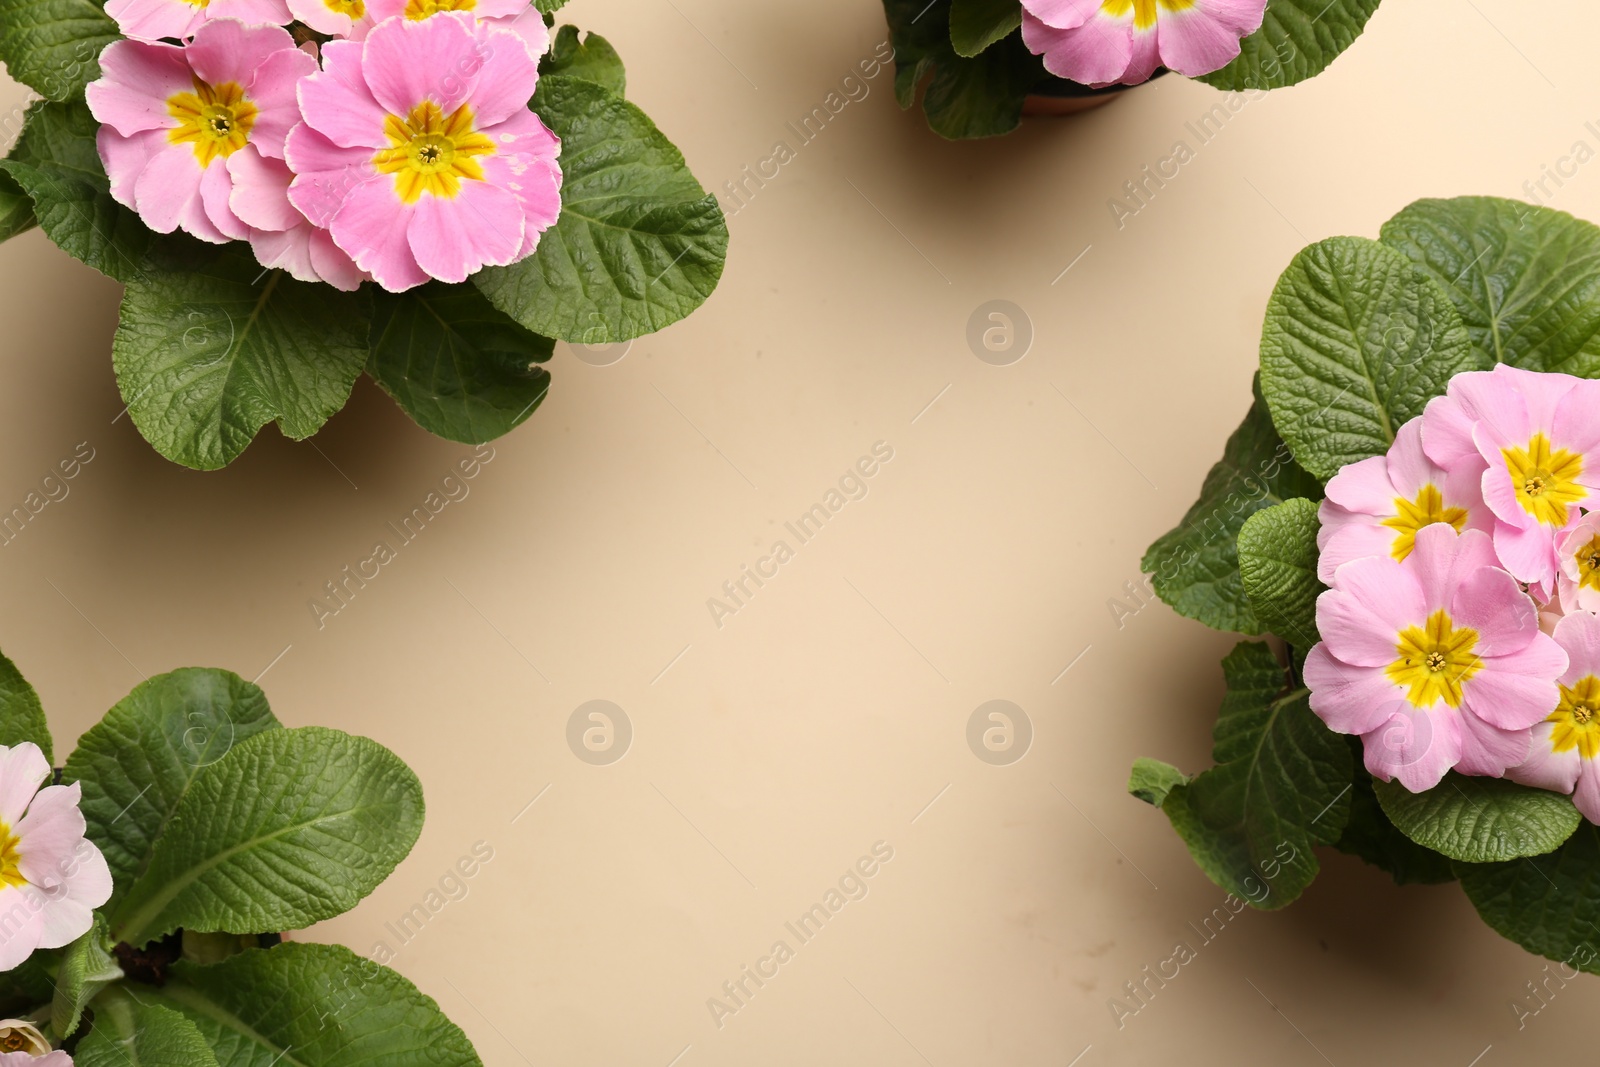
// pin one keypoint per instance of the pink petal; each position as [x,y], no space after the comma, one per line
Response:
[1194,42]
[1365,487]
[332,265]
[19,936]
[260,196]
[125,158]
[1514,692]
[151,20]
[407,62]
[1415,746]
[1096,53]
[1488,750]
[324,19]
[22,769]
[274,91]
[1575,425]
[506,75]
[1529,553]
[226,50]
[1443,559]
[1354,538]
[1587,794]
[1546,768]
[1373,599]
[1062,14]
[1408,466]
[215,189]
[1447,431]
[286,250]
[1350,700]
[1497,406]
[137,78]
[371,228]
[325,173]
[49,835]
[167,192]
[1579,636]
[1491,602]
[527,24]
[250,12]
[453,238]
[1242,17]
[337,103]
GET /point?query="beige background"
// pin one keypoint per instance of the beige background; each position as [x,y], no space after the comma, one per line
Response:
[770,753]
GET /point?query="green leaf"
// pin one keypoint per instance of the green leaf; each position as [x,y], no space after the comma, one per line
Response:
[86,968]
[965,98]
[1281,786]
[1549,905]
[28,985]
[21,714]
[53,46]
[57,165]
[1480,820]
[1278,565]
[16,208]
[639,244]
[138,763]
[1297,40]
[330,1006]
[459,367]
[1195,566]
[128,1032]
[1525,279]
[1370,835]
[592,59]
[1356,342]
[290,828]
[977,24]
[1151,780]
[213,348]
[549,7]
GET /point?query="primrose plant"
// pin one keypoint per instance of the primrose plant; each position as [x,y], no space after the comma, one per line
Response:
[983,59]
[294,192]
[1412,509]
[145,887]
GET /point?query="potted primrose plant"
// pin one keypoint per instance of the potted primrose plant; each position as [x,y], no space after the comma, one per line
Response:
[987,63]
[1411,512]
[294,192]
[144,886]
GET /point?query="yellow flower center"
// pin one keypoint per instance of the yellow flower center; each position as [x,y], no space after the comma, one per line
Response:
[216,119]
[1144,11]
[1434,660]
[13,1041]
[1545,480]
[10,858]
[1413,515]
[431,153]
[353,8]
[416,10]
[1577,718]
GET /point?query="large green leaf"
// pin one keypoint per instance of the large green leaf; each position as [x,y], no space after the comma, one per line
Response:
[130,1032]
[1195,566]
[977,24]
[16,208]
[212,347]
[1281,786]
[1278,565]
[57,165]
[980,96]
[1370,835]
[138,763]
[329,1006]
[28,985]
[639,243]
[1357,341]
[86,968]
[53,46]
[1525,279]
[1297,40]
[291,827]
[458,366]
[1480,820]
[592,58]
[21,714]
[1550,905]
